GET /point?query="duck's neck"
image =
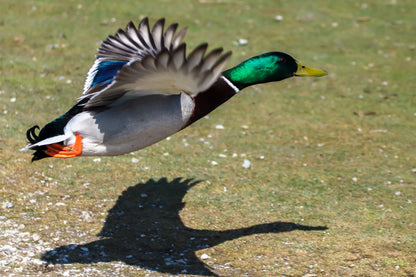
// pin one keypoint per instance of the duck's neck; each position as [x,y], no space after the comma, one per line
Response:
[259,69]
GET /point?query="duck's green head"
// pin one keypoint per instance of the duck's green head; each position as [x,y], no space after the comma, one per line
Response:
[268,67]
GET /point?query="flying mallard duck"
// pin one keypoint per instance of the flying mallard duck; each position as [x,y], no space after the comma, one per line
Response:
[142,88]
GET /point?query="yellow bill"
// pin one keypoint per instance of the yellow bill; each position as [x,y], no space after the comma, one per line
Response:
[305,71]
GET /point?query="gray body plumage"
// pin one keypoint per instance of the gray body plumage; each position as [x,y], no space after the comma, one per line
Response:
[131,125]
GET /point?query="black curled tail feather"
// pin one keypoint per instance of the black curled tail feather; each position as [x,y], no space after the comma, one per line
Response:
[31,135]
[34,138]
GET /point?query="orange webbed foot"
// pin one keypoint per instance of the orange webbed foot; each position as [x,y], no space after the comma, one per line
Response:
[59,151]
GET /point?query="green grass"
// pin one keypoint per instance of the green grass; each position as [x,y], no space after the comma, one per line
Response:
[316,158]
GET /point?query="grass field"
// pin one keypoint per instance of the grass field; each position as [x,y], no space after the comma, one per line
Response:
[331,186]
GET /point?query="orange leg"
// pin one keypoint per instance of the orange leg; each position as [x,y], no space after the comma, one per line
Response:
[59,151]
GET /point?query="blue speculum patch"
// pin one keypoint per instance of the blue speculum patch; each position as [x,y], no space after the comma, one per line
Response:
[106,71]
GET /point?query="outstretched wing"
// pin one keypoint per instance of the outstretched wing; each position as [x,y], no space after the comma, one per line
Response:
[127,46]
[169,72]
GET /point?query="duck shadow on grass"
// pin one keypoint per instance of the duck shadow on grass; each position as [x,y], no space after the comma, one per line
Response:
[144,229]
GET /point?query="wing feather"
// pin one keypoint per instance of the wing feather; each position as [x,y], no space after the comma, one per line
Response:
[214,71]
[144,32]
[178,39]
[170,72]
[130,45]
[195,58]
[157,33]
[169,34]
[178,57]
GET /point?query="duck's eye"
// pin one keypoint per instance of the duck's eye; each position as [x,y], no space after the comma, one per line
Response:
[281,60]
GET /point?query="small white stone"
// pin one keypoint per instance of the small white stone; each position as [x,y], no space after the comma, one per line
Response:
[242,41]
[87,216]
[214,163]
[279,17]
[97,160]
[134,160]
[7,205]
[35,237]
[397,193]
[246,163]
[38,262]
[144,195]
[219,127]
[205,257]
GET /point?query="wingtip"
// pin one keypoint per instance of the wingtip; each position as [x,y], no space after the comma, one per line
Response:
[228,54]
[160,21]
[223,60]
[144,22]
[130,25]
